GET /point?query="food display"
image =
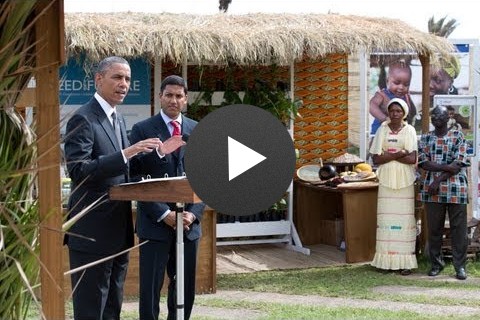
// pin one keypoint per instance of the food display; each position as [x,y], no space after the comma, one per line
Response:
[347,169]
[363,167]
[309,173]
[360,176]
[347,158]
[348,173]
[327,172]
[345,162]
[334,182]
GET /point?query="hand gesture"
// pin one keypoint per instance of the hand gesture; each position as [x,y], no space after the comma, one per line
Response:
[147,145]
[170,145]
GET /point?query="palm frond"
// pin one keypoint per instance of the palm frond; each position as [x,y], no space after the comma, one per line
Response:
[19,220]
[440,27]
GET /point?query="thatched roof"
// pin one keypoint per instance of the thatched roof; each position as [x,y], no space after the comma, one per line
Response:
[243,39]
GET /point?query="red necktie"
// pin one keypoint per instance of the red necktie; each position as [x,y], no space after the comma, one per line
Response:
[176,128]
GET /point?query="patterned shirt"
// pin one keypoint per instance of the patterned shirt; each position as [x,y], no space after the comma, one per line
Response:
[444,150]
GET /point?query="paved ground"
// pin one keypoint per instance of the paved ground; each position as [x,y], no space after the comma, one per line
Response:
[427,309]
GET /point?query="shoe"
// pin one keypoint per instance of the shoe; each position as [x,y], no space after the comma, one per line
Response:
[435,271]
[405,272]
[461,274]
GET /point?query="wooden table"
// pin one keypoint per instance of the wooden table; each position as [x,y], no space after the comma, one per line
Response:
[325,215]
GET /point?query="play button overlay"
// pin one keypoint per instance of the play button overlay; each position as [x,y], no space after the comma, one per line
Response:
[240,160]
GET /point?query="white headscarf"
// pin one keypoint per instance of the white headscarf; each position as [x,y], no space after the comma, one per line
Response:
[402,104]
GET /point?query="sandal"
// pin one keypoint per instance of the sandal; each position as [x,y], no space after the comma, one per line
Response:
[405,272]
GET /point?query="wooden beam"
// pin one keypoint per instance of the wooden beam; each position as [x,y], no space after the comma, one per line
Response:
[49,36]
[425,61]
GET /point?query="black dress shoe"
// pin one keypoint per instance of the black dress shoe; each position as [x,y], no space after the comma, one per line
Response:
[435,271]
[461,274]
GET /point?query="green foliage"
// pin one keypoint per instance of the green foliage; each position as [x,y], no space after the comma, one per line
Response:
[18,209]
[201,106]
[261,94]
[274,100]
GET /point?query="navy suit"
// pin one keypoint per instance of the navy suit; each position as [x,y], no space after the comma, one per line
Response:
[160,252]
[95,163]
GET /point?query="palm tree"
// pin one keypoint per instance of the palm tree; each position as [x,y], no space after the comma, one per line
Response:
[224,5]
[440,27]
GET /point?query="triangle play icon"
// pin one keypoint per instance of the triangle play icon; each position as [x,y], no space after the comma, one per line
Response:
[241,158]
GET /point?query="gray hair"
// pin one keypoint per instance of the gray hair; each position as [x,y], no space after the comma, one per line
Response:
[107,63]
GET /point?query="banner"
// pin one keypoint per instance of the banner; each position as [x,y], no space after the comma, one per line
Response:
[77,87]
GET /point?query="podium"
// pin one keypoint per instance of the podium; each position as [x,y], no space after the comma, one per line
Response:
[175,190]
[163,189]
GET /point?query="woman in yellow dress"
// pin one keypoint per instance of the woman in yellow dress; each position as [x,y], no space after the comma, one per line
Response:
[394,151]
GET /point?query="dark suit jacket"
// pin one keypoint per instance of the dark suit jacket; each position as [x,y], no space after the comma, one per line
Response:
[95,163]
[151,164]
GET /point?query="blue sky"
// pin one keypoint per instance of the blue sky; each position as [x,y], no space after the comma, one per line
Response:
[414,12]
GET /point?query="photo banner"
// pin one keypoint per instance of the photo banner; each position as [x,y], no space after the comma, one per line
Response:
[77,83]
[77,87]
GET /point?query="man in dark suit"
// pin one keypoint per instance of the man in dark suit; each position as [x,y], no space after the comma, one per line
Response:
[97,158]
[156,220]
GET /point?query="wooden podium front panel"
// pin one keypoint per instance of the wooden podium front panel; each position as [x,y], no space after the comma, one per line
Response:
[206,279]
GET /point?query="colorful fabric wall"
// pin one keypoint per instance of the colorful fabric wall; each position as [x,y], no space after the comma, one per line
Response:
[322,130]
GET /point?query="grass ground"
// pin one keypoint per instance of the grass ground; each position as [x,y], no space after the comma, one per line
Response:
[345,292]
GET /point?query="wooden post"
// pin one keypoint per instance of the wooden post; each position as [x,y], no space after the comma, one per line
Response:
[49,48]
[425,61]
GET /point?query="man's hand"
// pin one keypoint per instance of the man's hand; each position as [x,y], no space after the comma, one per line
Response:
[434,187]
[454,168]
[188,219]
[171,219]
[147,145]
[170,145]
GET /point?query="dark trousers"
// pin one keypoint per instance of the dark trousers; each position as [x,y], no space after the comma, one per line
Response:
[98,290]
[155,257]
[457,216]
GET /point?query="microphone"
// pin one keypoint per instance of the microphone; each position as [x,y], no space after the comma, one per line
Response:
[185,137]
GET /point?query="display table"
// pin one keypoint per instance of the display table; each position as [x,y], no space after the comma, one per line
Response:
[327,215]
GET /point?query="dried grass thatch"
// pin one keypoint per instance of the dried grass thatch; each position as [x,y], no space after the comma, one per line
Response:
[242,39]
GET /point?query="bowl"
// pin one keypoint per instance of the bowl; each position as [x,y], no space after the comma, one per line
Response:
[326,172]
